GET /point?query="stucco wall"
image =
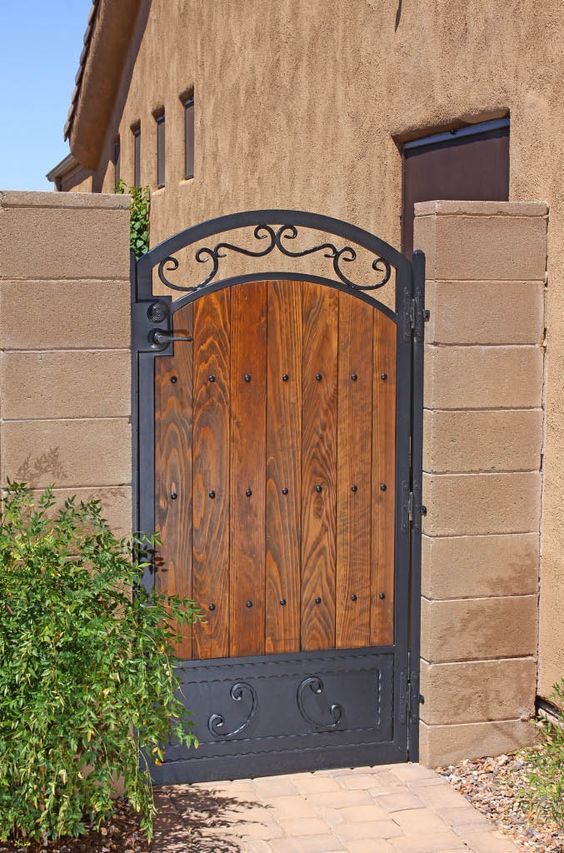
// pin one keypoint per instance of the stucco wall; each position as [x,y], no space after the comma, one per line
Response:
[304,104]
[483,436]
[65,377]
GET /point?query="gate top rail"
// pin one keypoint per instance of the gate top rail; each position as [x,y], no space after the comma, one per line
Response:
[270,238]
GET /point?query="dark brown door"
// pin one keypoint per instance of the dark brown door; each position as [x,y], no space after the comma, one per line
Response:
[471,164]
[275,470]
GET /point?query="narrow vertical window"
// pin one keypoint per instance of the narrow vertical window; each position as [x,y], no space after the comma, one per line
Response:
[136,130]
[160,119]
[188,136]
[117,161]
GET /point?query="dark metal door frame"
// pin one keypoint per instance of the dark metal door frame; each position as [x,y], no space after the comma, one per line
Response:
[152,337]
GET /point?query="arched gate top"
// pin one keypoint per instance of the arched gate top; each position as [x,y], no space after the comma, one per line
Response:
[273,230]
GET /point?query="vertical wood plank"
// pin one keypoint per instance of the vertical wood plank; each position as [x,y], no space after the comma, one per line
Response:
[383,474]
[354,499]
[211,472]
[173,471]
[283,499]
[248,468]
[319,466]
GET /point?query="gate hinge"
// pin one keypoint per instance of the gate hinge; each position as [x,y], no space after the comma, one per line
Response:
[417,317]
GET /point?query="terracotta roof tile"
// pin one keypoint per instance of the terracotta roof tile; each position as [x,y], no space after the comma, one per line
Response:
[81,66]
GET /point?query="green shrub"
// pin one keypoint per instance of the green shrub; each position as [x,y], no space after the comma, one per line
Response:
[87,685]
[545,796]
[139,212]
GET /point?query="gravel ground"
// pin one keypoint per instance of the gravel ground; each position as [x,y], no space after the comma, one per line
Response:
[120,835]
[493,786]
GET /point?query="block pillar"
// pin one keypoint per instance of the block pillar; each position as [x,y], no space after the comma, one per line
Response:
[483,421]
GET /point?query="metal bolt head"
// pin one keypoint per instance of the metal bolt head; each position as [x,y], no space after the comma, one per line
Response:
[247,377]
[174,379]
[285,377]
[354,488]
[383,487]
[354,377]
[173,496]
[318,600]
[319,377]
[318,488]
[249,603]
[211,377]
[284,491]
[354,597]
[283,602]
[381,596]
[211,494]
[248,492]
[383,376]
[211,607]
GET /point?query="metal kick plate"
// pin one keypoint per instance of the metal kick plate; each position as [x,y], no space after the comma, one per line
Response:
[282,704]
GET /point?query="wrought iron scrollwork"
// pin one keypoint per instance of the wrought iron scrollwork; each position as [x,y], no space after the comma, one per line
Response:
[217,721]
[315,684]
[275,239]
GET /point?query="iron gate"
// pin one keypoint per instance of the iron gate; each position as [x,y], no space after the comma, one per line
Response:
[278,421]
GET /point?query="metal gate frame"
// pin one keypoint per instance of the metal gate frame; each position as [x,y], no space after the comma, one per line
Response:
[152,336]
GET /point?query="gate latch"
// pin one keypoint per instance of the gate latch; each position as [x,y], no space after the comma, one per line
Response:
[152,326]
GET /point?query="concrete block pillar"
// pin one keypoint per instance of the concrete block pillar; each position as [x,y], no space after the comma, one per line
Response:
[65,366]
[483,422]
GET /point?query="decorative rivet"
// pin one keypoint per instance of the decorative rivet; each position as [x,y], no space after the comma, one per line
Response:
[284,491]
[173,496]
[211,494]
[247,377]
[211,606]
[383,376]
[318,488]
[285,377]
[318,600]
[319,377]
[383,487]
[423,510]
[354,377]
[248,492]
[354,488]
[174,379]
[381,596]
[354,597]
[249,603]
[211,377]
[283,602]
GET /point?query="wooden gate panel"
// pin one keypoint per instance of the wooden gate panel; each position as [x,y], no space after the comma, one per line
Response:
[283,486]
[384,476]
[173,483]
[354,455]
[248,468]
[211,427]
[319,466]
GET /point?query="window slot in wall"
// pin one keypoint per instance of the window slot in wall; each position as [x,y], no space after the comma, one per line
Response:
[117,161]
[136,130]
[467,164]
[188,103]
[161,160]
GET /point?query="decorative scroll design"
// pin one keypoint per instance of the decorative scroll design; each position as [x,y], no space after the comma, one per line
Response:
[275,239]
[217,721]
[316,685]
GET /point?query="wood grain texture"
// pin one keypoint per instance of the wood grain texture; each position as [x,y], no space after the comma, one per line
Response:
[383,474]
[319,465]
[212,337]
[173,471]
[284,411]
[248,468]
[354,455]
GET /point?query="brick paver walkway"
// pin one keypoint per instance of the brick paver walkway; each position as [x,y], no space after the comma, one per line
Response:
[397,807]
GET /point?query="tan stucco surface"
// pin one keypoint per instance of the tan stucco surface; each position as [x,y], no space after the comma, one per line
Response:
[304,105]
